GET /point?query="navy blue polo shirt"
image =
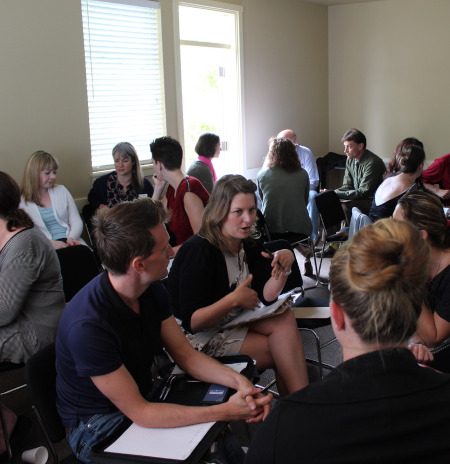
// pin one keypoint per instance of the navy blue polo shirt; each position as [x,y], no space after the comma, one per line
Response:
[98,333]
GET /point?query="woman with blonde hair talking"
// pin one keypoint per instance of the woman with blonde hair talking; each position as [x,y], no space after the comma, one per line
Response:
[50,205]
[378,406]
[222,272]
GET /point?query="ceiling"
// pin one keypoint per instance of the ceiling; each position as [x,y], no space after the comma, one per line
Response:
[337,2]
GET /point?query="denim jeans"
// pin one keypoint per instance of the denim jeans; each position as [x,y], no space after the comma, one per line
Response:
[313,214]
[87,434]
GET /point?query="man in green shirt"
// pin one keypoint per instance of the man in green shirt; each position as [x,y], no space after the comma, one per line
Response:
[363,172]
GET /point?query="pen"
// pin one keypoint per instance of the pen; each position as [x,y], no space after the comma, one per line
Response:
[268,386]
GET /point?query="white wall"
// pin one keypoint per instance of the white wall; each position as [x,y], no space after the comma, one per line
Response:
[389,71]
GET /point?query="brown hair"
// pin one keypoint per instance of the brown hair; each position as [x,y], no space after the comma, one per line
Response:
[379,279]
[282,153]
[121,233]
[167,151]
[9,204]
[424,210]
[408,156]
[39,161]
[354,135]
[218,207]
[126,150]
[207,145]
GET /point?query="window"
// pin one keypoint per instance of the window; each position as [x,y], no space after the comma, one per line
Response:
[210,79]
[125,84]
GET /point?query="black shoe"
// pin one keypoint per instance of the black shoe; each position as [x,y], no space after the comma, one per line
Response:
[308,269]
[329,252]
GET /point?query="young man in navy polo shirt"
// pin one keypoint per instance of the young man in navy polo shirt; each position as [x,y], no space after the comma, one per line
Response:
[111,330]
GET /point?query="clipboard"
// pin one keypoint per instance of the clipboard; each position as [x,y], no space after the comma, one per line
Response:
[192,395]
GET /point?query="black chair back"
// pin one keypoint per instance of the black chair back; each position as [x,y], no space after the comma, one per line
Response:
[41,380]
[78,267]
[262,231]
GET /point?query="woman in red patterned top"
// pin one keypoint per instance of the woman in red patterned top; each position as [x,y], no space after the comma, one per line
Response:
[183,196]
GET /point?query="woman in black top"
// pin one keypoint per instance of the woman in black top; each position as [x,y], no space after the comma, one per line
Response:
[126,183]
[222,272]
[379,406]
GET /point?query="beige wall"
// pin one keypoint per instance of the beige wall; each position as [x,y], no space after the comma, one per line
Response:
[285,74]
[43,91]
[381,66]
[42,88]
[389,71]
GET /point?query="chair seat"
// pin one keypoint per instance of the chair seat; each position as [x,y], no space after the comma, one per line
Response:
[8,366]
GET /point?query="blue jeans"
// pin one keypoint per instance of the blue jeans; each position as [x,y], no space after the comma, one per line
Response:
[313,214]
[87,434]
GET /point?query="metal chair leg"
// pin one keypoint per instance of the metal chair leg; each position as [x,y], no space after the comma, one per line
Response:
[6,436]
[318,349]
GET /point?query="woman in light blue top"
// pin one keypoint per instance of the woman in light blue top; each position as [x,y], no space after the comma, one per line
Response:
[50,206]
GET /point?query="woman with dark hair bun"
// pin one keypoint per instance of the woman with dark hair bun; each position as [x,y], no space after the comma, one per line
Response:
[207,148]
[403,176]
[378,406]
[31,291]
[425,211]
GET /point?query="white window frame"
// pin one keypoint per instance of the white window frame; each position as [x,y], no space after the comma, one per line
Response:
[220,6]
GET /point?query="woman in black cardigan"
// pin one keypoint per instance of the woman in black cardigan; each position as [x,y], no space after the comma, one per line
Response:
[221,272]
[126,183]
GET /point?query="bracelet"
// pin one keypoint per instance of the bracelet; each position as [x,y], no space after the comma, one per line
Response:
[288,272]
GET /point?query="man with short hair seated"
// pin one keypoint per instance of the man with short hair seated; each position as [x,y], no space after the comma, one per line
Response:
[112,329]
[363,173]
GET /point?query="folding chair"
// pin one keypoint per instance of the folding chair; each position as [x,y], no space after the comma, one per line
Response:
[41,379]
[262,231]
[7,422]
[78,266]
[331,217]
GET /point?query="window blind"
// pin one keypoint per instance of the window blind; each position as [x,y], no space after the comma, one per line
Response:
[125,85]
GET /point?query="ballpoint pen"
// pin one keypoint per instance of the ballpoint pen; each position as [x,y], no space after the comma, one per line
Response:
[268,386]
